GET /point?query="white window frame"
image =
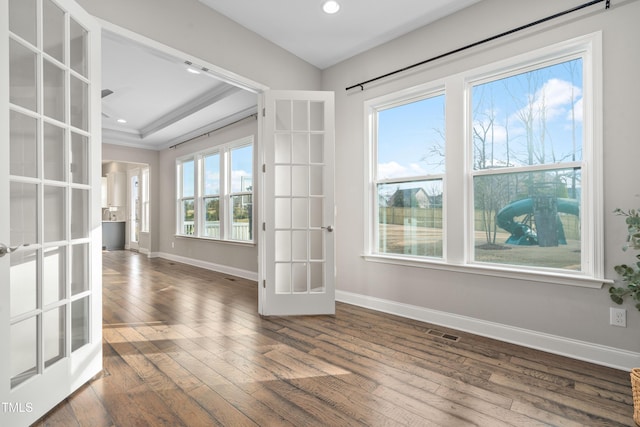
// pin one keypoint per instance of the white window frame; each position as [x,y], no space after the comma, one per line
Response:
[225,200]
[144,216]
[458,181]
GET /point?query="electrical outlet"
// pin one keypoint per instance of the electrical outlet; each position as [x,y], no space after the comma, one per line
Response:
[618,317]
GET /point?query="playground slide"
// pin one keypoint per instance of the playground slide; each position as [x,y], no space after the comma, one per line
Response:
[521,232]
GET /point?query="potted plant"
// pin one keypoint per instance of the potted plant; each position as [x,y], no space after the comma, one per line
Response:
[630,273]
[630,287]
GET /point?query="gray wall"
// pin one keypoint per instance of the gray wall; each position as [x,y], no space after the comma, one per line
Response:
[575,313]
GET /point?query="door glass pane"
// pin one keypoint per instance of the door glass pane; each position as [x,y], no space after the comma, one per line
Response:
[317,148]
[315,212]
[283,213]
[299,245]
[283,246]
[79,268]
[300,115]
[316,180]
[23,213]
[22,19]
[53,328]
[301,148]
[299,277]
[316,277]
[53,275]
[23,350]
[23,276]
[22,76]
[283,278]
[300,181]
[78,47]
[283,148]
[283,115]
[79,323]
[79,213]
[54,214]
[316,244]
[79,100]
[283,181]
[23,145]
[53,152]
[53,30]
[316,114]
[79,167]
[300,213]
[53,91]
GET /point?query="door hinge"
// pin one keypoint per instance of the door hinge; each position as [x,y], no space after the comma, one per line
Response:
[264,226]
[264,283]
[264,168]
[264,112]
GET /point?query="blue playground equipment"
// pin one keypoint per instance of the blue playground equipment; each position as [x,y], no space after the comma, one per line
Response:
[521,232]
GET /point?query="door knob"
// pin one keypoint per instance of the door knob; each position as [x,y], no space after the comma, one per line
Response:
[4,249]
[328,228]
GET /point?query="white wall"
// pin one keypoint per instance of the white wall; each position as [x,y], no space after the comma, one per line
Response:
[564,319]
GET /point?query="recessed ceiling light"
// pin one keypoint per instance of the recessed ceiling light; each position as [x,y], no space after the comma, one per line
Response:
[193,71]
[331,6]
[123,121]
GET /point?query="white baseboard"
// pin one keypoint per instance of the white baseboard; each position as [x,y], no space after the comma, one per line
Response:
[581,350]
[245,274]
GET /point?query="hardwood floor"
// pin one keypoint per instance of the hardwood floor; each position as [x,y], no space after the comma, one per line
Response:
[185,347]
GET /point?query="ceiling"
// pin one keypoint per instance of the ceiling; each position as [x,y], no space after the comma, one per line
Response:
[164,104]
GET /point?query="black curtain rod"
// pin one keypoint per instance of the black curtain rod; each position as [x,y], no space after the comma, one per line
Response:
[255,115]
[469,46]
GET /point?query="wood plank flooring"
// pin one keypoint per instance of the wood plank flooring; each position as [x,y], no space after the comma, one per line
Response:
[185,347]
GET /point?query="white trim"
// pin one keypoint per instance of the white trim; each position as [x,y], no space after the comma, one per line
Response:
[245,274]
[575,349]
[493,270]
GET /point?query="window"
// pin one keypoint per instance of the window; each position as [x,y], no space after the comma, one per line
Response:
[144,222]
[510,186]
[409,176]
[215,197]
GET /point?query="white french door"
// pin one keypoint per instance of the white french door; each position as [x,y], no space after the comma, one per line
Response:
[50,235]
[297,250]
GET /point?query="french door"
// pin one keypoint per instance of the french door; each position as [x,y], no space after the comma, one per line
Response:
[297,249]
[50,229]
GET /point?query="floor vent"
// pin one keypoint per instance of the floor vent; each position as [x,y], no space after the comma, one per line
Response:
[231,279]
[440,334]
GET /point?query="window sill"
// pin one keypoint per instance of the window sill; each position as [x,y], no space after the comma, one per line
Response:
[552,277]
[211,239]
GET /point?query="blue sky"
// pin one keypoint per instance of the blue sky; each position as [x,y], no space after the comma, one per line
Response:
[411,137]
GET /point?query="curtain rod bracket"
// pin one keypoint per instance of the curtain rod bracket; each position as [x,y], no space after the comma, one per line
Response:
[608,4]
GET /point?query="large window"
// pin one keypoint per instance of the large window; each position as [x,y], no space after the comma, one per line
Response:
[511,184]
[409,176]
[215,193]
